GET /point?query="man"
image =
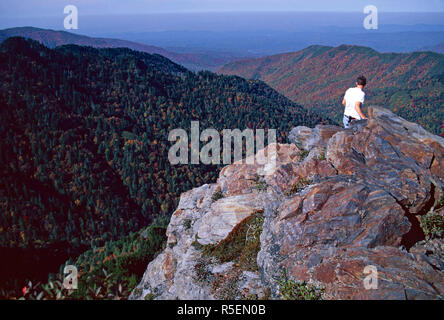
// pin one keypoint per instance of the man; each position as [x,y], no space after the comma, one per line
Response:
[353,101]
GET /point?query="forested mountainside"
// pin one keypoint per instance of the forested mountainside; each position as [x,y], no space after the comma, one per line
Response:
[411,85]
[84,147]
[52,38]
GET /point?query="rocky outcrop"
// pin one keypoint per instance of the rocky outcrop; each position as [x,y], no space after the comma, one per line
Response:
[339,206]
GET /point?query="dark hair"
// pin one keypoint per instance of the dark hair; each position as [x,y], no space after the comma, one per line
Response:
[362,81]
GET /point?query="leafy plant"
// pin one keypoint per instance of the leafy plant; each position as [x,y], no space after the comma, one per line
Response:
[259,184]
[433,225]
[226,287]
[298,186]
[187,224]
[241,245]
[203,274]
[217,195]
[150,296]
[303,154]
[196,244]
[294,290]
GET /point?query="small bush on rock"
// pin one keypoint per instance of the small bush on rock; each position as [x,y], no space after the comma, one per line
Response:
[433,225]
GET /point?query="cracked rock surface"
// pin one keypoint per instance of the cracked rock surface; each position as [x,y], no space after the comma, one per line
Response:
[337,201]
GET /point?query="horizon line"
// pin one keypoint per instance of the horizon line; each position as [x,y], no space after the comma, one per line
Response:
[225,11]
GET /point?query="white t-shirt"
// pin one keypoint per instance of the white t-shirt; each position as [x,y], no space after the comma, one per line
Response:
[352,96]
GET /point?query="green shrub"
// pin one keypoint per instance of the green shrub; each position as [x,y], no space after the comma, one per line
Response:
[433,225]
[196,244]
[226,287]
[150,296]
[187,224]
[217,195]
[298,186]
[241,245]
[202,273]
[259,184]
[294,290]
[303,154]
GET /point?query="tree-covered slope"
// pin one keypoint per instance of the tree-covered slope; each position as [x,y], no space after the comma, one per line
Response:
[205,60]
[412,85]
[84,144]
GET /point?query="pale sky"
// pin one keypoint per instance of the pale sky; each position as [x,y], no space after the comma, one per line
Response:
[35,8]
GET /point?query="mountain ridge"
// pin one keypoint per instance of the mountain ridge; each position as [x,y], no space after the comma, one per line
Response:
[411,84]
[53,38]
[439,48]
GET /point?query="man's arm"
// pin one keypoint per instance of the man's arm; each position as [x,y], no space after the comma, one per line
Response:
[358,110]
[344,100]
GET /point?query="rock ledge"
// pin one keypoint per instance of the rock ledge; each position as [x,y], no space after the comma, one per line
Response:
[338,201]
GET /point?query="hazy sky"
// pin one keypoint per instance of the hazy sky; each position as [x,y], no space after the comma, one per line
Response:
[21,8]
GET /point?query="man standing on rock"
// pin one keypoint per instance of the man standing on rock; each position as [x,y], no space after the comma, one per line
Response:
[353,101]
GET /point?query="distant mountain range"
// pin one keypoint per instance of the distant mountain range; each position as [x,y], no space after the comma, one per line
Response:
[437,48]
[202,60]
[410,84]
[262,42]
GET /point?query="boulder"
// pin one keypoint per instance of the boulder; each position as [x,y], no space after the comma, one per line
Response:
[339,212]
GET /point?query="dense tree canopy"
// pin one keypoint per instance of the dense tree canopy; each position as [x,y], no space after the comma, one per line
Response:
[84,140]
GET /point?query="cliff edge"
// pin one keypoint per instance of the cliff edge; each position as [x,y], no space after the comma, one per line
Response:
[345,214]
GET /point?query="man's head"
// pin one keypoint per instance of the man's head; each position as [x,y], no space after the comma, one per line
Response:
[361,82]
